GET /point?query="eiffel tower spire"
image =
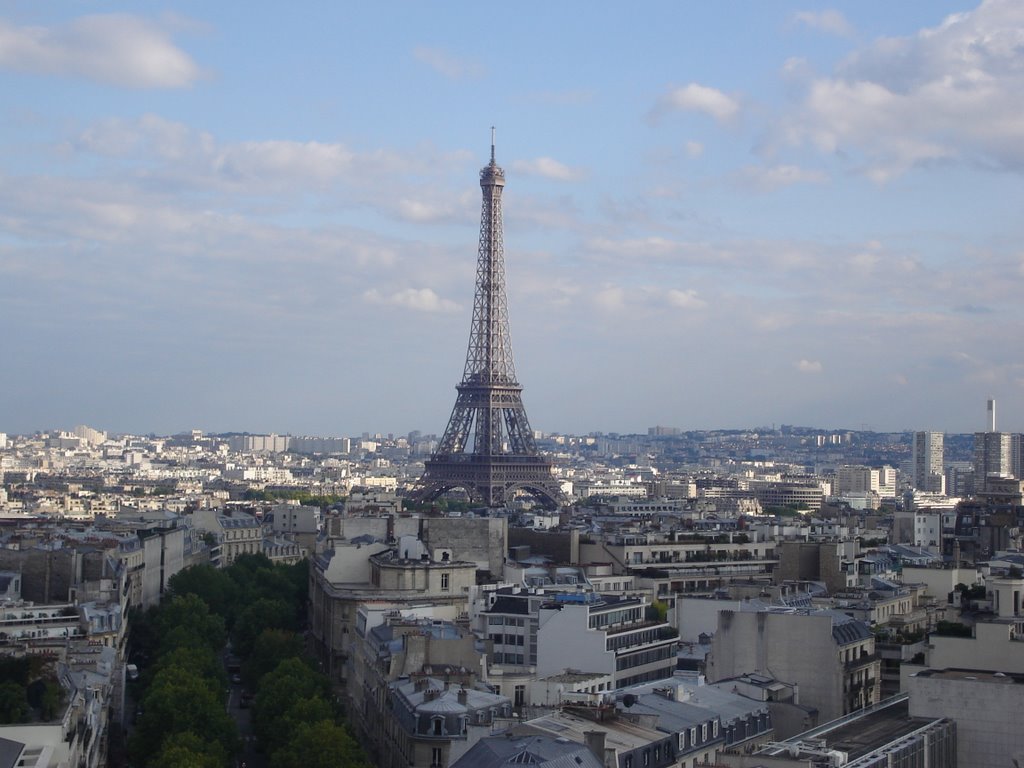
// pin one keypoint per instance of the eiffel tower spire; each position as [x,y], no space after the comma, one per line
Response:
[488,448]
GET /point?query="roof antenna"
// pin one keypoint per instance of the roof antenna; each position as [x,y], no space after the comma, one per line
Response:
[492,143]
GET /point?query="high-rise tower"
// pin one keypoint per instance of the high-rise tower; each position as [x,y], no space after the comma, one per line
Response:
[928,456]
[488,448]
[992,451]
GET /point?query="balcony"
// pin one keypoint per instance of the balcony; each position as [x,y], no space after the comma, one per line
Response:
[863,661]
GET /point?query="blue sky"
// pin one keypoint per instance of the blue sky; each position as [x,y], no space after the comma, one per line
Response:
[716,215]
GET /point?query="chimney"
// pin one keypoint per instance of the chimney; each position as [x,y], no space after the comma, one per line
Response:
[595,743]
[463,696]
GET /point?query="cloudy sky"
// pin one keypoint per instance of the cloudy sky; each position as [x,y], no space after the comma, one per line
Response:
[264,217]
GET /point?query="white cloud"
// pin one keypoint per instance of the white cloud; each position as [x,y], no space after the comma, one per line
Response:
[446,64]
[417,299]
[276,159]
[947,93]
[548,168]
[118,49]
[809,366]
[830,20]
[423,211]
[610,298]
[687,299]
[180,156]
[700,98]
[656,248]
[766,179]
[693,148]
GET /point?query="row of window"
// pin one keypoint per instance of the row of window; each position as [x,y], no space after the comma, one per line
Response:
[605,618]
[645,657]
[629,639]
[499,639]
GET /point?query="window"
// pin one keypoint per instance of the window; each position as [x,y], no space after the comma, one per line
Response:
[436,757]
[520,695]
[445,582]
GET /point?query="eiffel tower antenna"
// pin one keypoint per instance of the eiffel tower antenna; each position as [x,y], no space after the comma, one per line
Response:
[488,448]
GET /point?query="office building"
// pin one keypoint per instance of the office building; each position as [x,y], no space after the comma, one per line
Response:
[928,457]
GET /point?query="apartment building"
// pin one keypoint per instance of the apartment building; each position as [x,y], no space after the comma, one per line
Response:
[829,655]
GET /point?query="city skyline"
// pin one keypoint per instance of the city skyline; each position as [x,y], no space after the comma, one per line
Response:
[715,217]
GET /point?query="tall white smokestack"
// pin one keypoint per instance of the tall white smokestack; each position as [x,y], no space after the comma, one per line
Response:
[991,415]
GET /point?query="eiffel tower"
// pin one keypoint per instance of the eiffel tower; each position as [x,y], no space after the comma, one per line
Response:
[488,448]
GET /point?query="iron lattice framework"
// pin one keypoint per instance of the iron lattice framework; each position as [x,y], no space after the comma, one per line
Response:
[488,447]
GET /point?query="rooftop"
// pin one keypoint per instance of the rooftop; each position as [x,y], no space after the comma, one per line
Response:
[858,734]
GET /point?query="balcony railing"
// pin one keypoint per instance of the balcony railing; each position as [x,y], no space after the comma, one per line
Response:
[862,661]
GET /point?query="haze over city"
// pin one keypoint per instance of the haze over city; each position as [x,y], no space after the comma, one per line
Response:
[716,215]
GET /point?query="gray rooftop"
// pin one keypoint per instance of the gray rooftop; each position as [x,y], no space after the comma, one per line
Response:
[512,749]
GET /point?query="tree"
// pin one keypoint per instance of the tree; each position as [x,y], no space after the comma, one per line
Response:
[180,701]
[303,711]
[322,744]
[187,615]
[212,585]
[45,695]
[187,750]
[14,706]
[200,661]
[260,615]
[271,648]
[290,682]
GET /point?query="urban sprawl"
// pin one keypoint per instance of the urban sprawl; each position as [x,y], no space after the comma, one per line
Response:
[778,596]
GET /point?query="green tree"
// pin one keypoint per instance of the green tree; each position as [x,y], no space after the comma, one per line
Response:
[198,660]
[187,750]
[14,706]
[290,682]
[187,615]
[212,585]
[657,611]
[271,648]
[321,744]
[263,614]
[45,695]
[180,701]
[309,710]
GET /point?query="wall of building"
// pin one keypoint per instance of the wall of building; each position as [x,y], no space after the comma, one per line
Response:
[564,642]
[561,546]
[47,575]
[992,648]
[790,647]
[695,615]
[987,712]
[482,540]
[939,582]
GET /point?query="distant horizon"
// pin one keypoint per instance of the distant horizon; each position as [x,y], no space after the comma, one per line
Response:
[405,433]
[751,213]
